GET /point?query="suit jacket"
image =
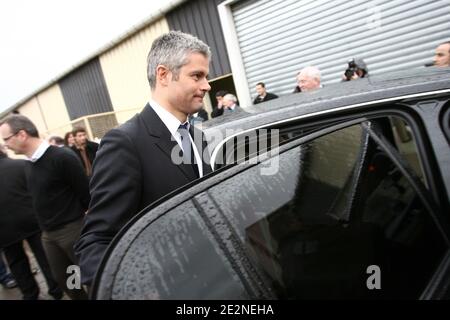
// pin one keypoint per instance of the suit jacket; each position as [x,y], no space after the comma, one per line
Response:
[132,169]
[17,218]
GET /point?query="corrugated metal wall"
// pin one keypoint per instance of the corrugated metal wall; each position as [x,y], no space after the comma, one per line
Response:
[279,37]
[84,90]
[201,18]
[125,70]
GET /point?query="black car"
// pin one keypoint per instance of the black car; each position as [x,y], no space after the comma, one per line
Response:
[338,193]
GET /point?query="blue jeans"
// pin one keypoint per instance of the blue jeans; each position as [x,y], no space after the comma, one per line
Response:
[5,276]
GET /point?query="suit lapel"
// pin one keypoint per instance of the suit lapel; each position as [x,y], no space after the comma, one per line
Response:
[156,128]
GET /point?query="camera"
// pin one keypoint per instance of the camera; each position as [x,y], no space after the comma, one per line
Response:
[350,71]
[357,66]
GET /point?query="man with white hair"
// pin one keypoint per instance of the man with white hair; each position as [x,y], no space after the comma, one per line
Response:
[308,79]
[230,103]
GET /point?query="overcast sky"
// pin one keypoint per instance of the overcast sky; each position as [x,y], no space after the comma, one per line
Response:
[40,39]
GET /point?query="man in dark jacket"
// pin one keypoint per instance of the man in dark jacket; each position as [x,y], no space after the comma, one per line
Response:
[18,222]
[153,153]
[85,149]
[218,109]
[263,95]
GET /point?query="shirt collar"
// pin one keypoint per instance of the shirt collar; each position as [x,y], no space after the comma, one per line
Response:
[39,151]
[169,120]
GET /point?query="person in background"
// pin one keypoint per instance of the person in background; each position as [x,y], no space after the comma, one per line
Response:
[69,140]
[85,149]
[356,69]
[17,223]
[442,55]
[56,141]
[297,88]
[263,95]
[59,191]
[198,117]
[308,79]
[6,279]
[218,109]
[230,104]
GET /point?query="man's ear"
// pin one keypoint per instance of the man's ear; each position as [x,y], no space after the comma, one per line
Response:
[163,75]
[22,135]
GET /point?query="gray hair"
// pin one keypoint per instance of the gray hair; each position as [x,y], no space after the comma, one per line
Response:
[19,122]
[171,50]
[311,71]
[231,97]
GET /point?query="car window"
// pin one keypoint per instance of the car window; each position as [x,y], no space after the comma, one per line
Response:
[406,145]
[333,208]
[243,146]
[247,145]
[176,257]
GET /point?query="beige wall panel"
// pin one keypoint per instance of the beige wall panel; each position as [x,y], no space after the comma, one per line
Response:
[124,68]
[54,109]
[32,110]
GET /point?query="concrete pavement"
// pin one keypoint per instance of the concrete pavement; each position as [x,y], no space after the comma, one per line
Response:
[15,294]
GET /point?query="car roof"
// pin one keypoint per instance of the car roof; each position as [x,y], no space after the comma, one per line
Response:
[400,84]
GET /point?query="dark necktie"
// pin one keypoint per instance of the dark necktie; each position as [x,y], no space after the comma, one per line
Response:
[188,156]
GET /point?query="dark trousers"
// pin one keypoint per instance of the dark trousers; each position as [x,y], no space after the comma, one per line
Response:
[20,268]
[58,245]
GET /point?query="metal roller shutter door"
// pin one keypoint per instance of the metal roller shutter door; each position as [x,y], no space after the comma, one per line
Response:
[279,37]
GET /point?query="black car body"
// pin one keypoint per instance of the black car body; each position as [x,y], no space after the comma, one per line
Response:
[346,195]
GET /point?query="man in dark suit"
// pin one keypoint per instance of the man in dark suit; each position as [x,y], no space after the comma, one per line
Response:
[85,149]
[152,154]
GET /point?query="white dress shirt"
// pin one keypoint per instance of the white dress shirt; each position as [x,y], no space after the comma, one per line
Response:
[39,151]
[172,124]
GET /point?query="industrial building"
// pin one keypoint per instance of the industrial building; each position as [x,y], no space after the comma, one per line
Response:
[251,41]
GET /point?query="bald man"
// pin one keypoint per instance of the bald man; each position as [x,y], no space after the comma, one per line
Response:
[442,55]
